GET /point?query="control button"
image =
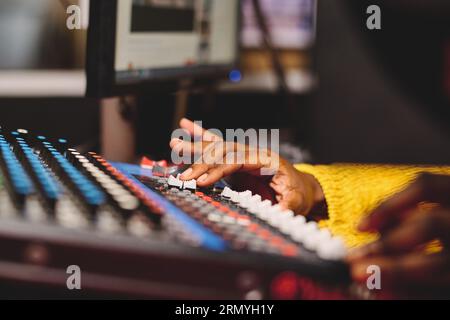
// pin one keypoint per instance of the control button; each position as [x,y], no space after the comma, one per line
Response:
[266,204]
[175,182]
[235,197]
[214,217]
[276,207]
[333,249]
[243,221]
[311,227]
[227,192]
[275,219]
[245,194]
[289,224]
[229,220]
[303,231]
[256,198]
[313,241]
[264,215]
[299,220]
[253,208]
[190,185]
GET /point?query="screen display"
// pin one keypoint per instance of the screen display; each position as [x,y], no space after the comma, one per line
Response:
[162,37]
[291,23]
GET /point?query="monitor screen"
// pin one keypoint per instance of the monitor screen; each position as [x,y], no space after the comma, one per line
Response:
[159,35]
[291,23]
[159,40]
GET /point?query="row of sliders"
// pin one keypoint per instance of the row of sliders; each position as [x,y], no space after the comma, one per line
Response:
[123,192]
[313,238]
[176,182]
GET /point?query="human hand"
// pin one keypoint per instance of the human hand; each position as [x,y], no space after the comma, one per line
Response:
[294,190]
[405,230]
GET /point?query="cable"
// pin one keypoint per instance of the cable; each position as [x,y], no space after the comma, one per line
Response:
[283,86]
[267,39]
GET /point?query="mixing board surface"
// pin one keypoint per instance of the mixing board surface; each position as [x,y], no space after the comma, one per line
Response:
[143,235]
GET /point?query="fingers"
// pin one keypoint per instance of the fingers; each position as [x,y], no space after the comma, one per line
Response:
[194,130]
[419,229]
[431,188]
[214,174]
[292,200]
[215,158]
[211,166]
[197,131]
[207,175]
[364,252]
[195,172]
[413,268]
[288,197]
[211,152]
[181,147]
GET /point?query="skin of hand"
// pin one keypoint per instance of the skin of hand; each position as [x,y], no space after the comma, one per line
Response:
[294,190]
[405,230]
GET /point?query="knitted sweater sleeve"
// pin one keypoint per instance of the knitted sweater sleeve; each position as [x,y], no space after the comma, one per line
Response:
[353,190]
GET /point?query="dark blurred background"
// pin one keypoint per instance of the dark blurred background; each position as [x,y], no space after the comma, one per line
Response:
[41,71]
[360,96]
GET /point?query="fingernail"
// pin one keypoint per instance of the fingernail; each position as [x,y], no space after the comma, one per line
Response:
[187,173]
[203,178]
[176,144]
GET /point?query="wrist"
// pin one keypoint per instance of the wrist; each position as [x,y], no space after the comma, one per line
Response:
[318,205]
[318,194]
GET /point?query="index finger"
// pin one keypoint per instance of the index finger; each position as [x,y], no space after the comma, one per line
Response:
[196,130]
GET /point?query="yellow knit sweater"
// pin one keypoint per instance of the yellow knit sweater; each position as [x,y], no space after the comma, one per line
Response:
[353,190]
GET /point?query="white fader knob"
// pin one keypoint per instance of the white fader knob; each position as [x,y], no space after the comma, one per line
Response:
[190,185]
[292,223]
[310,229]
[288,213]
[254,204]
[276,220]
[313,241]
[301,230]
[235,197]
[276,216]
[256,198]
[245,203]
[265,205]
[245,194]
[227,193]
[175,182]
[333,249]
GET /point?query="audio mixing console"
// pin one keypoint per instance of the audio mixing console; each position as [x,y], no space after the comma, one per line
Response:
[136,234]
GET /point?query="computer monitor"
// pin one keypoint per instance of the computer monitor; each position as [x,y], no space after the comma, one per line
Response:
[136,44]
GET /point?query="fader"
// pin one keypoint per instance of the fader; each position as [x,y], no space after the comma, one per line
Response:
[80,206]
